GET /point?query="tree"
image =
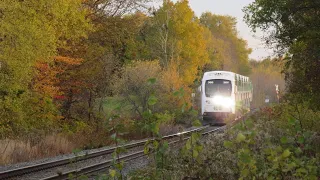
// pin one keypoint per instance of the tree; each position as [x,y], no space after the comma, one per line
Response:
[228,51]
[293,28]
[30,32]
[115,8]
[176,36]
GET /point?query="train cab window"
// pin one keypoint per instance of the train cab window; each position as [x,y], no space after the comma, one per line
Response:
[218,87]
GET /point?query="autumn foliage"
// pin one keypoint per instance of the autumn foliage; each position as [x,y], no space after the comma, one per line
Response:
[63,62]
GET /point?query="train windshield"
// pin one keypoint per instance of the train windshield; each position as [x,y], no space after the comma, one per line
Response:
[218,87]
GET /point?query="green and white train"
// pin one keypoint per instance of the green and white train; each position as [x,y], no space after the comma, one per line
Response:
[224,94]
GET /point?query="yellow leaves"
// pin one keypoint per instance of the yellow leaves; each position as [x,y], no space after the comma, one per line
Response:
[228,51]
[190,43]
[172,78]
[112,172]
[35,29]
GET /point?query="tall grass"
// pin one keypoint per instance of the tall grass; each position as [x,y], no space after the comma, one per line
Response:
[14,151]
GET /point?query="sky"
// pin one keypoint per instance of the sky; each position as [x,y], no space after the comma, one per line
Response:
[234,8]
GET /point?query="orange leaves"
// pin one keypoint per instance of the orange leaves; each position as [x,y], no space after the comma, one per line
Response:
[46,82]
[172,81]
[171,78]
[68,60]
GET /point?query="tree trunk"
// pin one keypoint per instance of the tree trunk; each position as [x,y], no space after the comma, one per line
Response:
[89,105]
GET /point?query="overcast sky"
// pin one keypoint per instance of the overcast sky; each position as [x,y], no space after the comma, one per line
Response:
[234,8]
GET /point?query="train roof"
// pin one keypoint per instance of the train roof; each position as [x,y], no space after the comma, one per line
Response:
[238,76]
[209,72]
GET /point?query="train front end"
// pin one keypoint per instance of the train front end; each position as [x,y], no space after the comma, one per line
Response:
[218,97]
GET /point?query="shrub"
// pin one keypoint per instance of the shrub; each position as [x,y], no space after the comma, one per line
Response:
[134,86]
[168,87]
[271,144]
[175,94]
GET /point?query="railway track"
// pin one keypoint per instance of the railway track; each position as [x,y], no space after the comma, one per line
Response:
[105,164]
[14,173]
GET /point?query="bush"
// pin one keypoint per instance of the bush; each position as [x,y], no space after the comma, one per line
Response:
[167,87]
[134,85]
[270,144]
[175,94]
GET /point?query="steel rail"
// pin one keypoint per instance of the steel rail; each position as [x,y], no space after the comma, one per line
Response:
[107,164]
[47,165]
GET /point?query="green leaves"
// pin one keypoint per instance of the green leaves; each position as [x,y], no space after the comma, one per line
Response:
[195,137]
[284,140]
[76,151]
[146,148]
[196,123]
[188,144]
[245,173]
[286,153]
[193,146]
[301,139]
[156,148]
[292,121]
[152,100]
[195,153]
[244,156]
[227,144]
[249,124]
[240,137]
[119,165]
[300,44]
[155,144]
[255,151]
[176,93]
[179,93]
[152,81]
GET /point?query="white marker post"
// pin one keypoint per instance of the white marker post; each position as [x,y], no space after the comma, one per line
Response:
[277,90]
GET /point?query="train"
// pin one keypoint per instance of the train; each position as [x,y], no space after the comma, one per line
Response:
[224,94]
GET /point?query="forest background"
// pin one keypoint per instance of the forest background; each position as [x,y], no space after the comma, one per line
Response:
[68,66]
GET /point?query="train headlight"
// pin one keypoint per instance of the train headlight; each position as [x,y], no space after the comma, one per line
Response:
[228,102]
[218,100]
[223,101]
